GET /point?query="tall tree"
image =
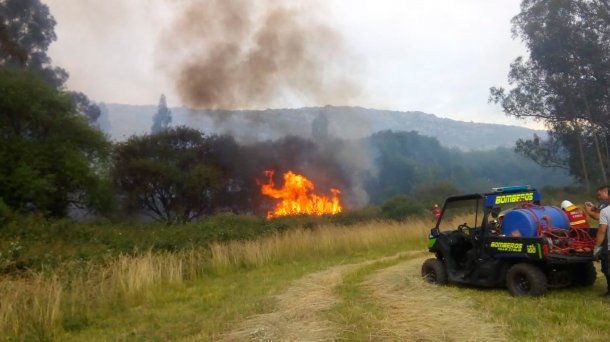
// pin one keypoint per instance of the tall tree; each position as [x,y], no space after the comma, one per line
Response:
[162,118]
[564,81]
[49,156]
[27,28]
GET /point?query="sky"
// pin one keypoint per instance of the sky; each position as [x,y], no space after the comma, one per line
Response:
[435,56]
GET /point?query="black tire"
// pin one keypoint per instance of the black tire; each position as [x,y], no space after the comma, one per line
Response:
[584,274]
[526,280]
[433,271]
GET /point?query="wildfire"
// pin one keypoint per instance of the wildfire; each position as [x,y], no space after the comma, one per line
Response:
[298,197]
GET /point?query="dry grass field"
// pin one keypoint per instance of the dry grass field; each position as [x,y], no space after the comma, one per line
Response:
[328,283]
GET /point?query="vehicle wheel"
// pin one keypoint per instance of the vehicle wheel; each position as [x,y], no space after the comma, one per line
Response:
[433,272]
[584,274]
[525,280]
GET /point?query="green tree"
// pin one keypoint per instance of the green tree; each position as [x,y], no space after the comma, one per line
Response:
[404,160]
[50,158]
[563,82]
[435,193]
[547,153]
[408,163]
[170,176]
[27,28]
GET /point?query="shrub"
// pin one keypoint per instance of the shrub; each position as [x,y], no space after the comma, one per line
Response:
[351,217]
[401,207]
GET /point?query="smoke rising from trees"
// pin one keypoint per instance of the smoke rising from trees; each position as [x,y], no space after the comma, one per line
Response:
[242,54]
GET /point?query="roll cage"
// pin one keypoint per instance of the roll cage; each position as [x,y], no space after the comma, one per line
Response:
[487,201]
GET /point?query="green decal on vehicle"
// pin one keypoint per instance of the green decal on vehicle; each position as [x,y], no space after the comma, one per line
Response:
[431,242]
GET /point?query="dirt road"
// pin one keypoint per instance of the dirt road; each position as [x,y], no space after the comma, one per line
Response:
[411,309]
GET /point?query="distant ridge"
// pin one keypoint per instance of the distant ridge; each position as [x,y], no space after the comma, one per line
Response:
[344,122]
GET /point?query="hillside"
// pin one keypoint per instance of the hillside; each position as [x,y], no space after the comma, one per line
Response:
[344,122]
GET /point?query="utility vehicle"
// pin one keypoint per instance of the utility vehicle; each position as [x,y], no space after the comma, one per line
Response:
[477,253]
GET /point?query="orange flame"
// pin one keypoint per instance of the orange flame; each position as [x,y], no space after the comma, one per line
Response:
[298,198]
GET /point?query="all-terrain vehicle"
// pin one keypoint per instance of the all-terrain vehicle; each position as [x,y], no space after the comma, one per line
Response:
[478,253]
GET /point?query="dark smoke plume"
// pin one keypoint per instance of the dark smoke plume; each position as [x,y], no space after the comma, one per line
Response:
[236,54]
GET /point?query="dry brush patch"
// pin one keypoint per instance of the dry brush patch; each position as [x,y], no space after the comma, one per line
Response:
[29,306]
[326,240]
[36,305]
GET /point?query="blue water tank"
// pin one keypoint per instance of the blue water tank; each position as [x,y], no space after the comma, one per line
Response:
[524,221]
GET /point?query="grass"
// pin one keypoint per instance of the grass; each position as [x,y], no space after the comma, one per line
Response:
[201,293]
[564,314]
[44,306]
[203,307]
[358,312]
[35,243]
[207,307]
[572,314]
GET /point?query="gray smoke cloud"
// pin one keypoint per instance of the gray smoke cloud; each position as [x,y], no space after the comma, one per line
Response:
[227,55]
[240,54]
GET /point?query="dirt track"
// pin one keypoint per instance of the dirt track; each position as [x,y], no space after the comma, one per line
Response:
[298,311]
[412,309]
[417,311]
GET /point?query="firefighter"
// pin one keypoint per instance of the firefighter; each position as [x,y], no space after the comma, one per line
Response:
[601,245]
[602,248]
[436,211]
[577,217]
[497,214]
[604,198]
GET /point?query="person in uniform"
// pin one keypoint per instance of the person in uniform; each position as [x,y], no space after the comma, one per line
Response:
[601,244]
[436,211]
[603,197]
[601,239]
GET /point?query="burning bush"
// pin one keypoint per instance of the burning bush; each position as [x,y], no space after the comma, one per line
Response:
[298,197]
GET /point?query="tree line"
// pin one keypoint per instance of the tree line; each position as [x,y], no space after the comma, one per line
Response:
[54,159]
